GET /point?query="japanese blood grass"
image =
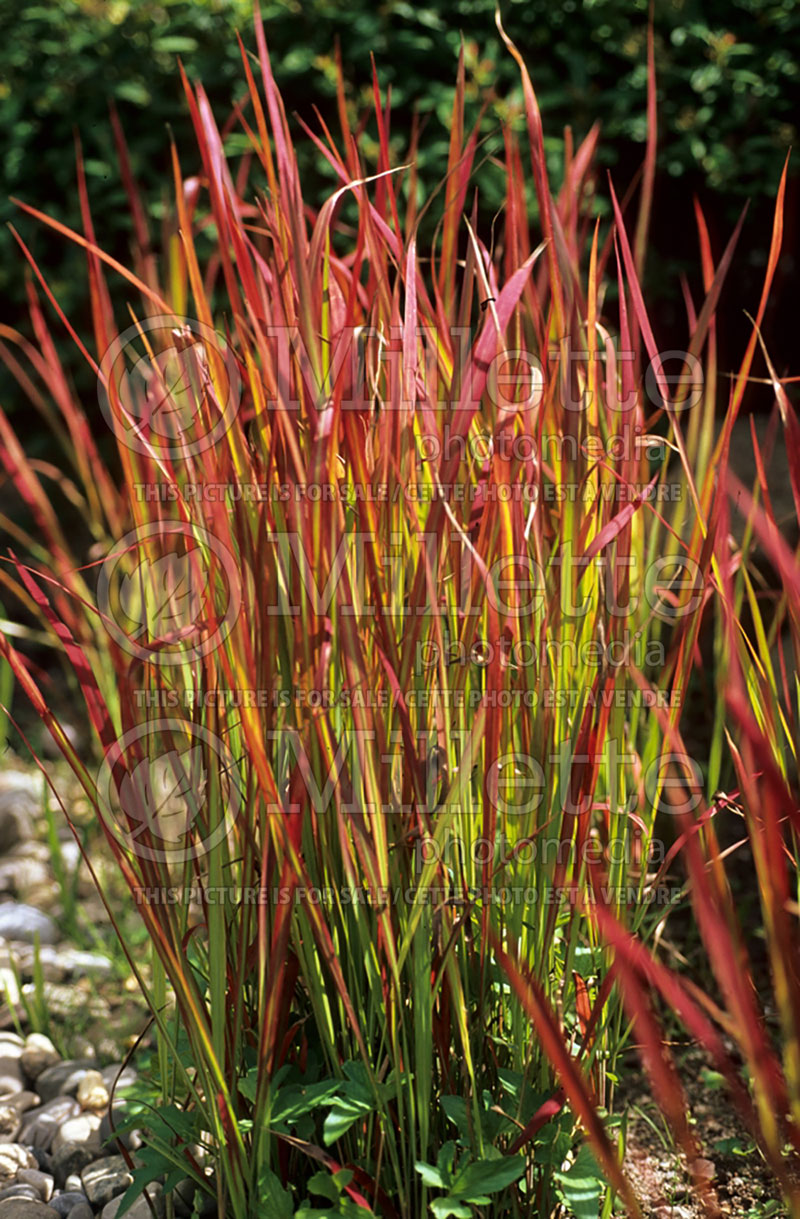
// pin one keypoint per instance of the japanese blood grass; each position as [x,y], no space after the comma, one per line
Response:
[407,976]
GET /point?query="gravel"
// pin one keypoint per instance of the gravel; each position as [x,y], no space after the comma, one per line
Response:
[105,1178]
[21,922]
[63,1078]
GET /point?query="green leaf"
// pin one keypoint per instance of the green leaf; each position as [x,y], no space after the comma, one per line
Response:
[471,1185]
[248,1085]
[175,44]
[446,1159]
[456,1109]
[343,1208]
[273,1198]
[323,1183]
[294,1101]
[344,1112]
[487,1177]
[170,1121]
[445,1207]
[133,91]
[582,1185]
[734,1146]
[513,1082]
[430,1176]
[153,1167]
[492,1124]
[553,1141]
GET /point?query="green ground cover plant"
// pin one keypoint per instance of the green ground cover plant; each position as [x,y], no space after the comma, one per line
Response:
[386,613]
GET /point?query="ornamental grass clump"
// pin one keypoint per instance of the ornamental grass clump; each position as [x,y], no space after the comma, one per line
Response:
[385,608]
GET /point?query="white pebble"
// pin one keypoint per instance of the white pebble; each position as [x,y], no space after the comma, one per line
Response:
[92,1091]
[81,1129]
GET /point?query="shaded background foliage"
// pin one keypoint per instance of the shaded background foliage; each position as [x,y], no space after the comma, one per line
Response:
[729,94]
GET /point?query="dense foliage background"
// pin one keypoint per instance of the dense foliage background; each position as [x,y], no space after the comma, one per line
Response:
[729,94]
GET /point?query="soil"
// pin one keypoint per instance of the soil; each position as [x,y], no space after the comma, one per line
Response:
[743,1184]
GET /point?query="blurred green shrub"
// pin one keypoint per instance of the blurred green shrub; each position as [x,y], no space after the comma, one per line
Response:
[61,63]
[729,89]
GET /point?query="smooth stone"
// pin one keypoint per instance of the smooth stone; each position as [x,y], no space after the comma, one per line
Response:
[10,1123]
[12,826]
[18,809]
[28,784]
[183,1196]
[92,1092]
[21,922]
[40,1125]
[39,1041]
[22,877]
[83,1128]
[63,1204]
[23,1101]
[68,1001]
[41,1181]
[85,964]
[69,1161]
[43,1160]
[11,1080]
[32,849]
[39,1054]
[63,1078]
[127,1075]
[25,1208]
[26,876]
[11,1045]
[14,1156]
[105,1178]
[82,1211]
[19,1191]
[74,1184]
[140,1208]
